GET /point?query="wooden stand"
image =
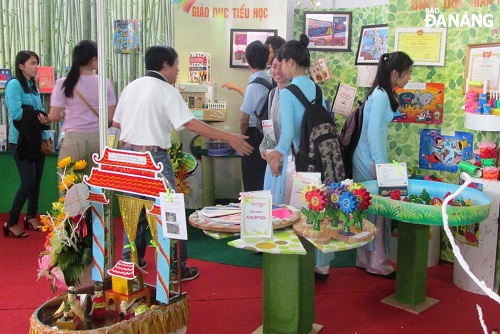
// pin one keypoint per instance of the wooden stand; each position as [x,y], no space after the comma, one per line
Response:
[117,298]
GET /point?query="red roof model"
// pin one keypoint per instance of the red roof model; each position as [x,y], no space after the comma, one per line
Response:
[126,270]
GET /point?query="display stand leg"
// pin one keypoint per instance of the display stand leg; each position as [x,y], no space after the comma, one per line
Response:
[288,293]
[207,183]
[411,279]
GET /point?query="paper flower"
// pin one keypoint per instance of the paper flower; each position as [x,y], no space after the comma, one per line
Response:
[69,239]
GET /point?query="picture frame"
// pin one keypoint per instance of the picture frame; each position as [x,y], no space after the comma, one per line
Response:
[240,38]
[373,43]
[328,31]
[426,46]
[482,63]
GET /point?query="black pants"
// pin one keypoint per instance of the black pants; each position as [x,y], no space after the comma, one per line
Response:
[253,167]
[30,173]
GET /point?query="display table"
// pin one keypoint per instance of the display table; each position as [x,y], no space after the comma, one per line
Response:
[413,235]
[288,278]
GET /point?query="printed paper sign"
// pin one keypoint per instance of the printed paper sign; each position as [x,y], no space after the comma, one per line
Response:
[300,181]
[256,214]
[173,216]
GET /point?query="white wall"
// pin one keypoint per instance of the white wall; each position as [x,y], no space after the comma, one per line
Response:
[212,35]
[208,34]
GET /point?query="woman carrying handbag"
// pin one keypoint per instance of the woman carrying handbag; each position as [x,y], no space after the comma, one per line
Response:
[75,99]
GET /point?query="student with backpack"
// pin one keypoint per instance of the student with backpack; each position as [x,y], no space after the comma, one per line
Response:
[296,60]
[253,166]
[394,70]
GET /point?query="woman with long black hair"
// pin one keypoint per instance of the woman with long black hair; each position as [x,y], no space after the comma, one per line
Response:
[394,70]
[75,101]
[26,124]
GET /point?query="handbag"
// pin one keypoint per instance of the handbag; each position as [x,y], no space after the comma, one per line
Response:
[47,146]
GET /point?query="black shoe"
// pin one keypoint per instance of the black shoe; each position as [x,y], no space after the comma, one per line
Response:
[188,274]
[320,277]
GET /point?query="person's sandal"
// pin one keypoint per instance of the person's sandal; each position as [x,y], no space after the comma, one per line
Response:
[8,230]
[32,223]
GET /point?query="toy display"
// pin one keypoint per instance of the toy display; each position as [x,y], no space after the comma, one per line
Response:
[70,312]
[417,212]
[336,211]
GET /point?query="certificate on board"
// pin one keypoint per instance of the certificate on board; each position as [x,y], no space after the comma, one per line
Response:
[173,216]
[256,214]
[344,99]
[426,46]
[392,176]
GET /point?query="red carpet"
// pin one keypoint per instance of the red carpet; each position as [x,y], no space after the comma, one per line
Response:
[227,299]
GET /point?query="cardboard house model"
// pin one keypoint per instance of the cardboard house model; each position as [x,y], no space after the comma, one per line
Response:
[127,283]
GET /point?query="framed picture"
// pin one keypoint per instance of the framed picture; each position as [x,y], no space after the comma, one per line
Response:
[426,46]
[372,44]
[483,64]
[328,31]
[240,38]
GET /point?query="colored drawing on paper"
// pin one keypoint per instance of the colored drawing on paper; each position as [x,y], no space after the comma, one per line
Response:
[420,103]
[444,153]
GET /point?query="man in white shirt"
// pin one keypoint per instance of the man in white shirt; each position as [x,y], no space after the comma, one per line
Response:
[147,111]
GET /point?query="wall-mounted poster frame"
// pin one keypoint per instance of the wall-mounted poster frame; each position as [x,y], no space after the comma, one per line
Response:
[240,38]
[373,43]
[328,31]
[483,63]
[426,46]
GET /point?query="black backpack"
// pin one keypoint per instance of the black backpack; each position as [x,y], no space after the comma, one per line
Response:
[319,149]
[264,111]
[349,136]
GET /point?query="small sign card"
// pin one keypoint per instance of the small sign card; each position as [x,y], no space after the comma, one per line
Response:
[256,214]
[300,181]
[392,176]
[173,216]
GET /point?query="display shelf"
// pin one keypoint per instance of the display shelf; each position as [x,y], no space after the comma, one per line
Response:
[481,122]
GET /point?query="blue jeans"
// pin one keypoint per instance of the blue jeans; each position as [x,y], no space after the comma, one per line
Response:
[142,226]
[30,173]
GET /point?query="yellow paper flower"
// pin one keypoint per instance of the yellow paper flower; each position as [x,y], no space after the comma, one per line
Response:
[64,162]
[80,165]
[61,186]
[70,180]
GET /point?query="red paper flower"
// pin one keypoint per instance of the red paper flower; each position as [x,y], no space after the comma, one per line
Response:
[316,199]
[364,198]
[396,194]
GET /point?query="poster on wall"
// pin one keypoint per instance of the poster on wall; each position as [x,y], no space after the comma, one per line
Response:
[420,103]
[373,43]
[240,38]
[126,36]
[328,31]
[444,152]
